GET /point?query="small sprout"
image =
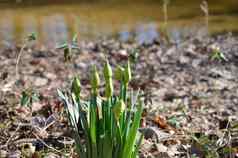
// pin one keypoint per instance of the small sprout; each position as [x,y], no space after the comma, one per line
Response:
[217,54]
[95,80]
[28,97]
[32,37]
[127,73]
[119,108]
[67,53]
[68,48]
[134,55]
[25,99]
[174,121]
[76,86]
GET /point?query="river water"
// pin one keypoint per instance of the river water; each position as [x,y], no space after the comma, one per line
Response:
[56,21]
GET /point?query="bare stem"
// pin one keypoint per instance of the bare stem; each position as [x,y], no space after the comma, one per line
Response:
[205,8]
[165,9]
[18,60]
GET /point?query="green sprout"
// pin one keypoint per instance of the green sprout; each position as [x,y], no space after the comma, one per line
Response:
[68,48]
[134,56]
[28,96]
[31,37]
[217,54]
[105,127]
[174,121]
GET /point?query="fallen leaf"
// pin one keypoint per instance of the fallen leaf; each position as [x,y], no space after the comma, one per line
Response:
[161,122]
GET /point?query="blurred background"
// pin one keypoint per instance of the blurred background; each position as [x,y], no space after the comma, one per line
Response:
[57,20]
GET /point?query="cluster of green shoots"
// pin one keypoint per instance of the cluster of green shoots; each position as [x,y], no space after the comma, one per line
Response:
[105,126]
[217,54]
[28,96]
[68,48]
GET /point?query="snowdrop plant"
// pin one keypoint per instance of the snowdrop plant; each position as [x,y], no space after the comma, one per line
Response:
[105,126]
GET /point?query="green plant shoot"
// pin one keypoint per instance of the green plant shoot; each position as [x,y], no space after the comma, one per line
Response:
[105,127]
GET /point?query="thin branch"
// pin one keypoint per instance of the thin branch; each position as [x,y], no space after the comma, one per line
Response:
[18,60]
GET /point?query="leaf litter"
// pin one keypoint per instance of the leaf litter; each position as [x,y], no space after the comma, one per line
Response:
[191,101]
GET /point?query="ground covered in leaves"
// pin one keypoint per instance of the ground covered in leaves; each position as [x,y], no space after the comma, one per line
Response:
[191,98]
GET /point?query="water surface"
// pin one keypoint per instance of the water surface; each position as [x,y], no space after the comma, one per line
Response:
[55,22]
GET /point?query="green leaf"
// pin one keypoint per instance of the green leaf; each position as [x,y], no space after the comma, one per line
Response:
[119,108]
[129,146]
[93,126]
[32,36]
[137,147]
[75,38]
[60,94]
[25,99]
[62,46]
[174,122]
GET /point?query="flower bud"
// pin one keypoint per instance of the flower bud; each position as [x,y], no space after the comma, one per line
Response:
[119,73]
[107,71]
[127,73]
[76,86]
[119,108]
[95,80]
[109,88]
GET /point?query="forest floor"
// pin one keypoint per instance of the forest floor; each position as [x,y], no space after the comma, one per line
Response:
[191,98]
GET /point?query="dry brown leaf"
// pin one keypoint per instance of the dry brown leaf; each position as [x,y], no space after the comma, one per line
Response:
[161,122]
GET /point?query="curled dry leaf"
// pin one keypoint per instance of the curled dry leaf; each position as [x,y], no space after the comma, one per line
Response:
[162,123]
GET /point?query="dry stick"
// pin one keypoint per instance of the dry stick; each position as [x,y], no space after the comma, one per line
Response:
[165,9]
[18,60]
[205,8]
[18,127]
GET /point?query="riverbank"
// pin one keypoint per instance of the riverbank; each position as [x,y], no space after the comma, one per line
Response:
[191,97]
